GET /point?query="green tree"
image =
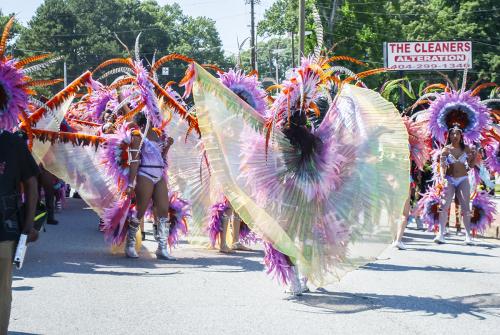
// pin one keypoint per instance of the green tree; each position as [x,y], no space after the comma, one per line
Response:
[275,49]
[358,28]
[84,33]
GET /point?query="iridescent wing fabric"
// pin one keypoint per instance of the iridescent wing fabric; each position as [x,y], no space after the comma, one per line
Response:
[189,174]
[327,229]
[76,165]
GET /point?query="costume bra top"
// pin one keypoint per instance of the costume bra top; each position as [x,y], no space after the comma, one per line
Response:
[151,154]
[452,160]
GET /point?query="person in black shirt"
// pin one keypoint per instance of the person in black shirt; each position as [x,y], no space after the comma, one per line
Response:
[18,173]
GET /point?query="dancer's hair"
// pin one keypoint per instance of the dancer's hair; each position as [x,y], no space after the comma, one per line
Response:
[140,119]
[298,134]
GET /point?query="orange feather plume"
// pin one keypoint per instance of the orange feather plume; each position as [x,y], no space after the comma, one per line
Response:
[31,59]
[315,108]
[170,83]
[482,87]
[172,103]
[169,58]
[41,83]
[85,123]
[435,86]
[130,114]
[253,73]
[126,61]
[365,74]
[59,97]
[345,58]
[418,103]
[5,35]
[121,82]
[212,67]
[64,137]
[495,114]
[274,87]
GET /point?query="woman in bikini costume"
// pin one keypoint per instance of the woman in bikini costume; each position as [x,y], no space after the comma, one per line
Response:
[147,180]
[456,161]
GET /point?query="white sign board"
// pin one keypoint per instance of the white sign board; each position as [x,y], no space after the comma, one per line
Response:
[424,56]
[165,71]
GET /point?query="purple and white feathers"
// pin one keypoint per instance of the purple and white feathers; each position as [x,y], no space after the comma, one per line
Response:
[13,96]
[248,88]
[483,211]
[277,264]
[473,116]
[214,227]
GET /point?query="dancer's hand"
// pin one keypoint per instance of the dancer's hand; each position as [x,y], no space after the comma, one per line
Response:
[170,141]
[130,191]
[33,235]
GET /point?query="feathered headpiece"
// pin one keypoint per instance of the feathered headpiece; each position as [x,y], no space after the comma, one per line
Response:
[462,109]
[148,92]
[420,148]
[248,88]
[15,84]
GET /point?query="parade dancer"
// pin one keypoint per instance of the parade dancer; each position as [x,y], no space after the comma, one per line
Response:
[420,149]
[98,165]
[293,173]
[456,160]
[147,181]
[18,169]
[458,122]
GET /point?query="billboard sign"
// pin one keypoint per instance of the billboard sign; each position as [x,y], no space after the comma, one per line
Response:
[425,56]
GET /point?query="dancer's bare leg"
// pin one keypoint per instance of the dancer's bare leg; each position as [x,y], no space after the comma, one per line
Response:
[449,194]
[236,235]
[223,247]
[161,203]
[143,192]
[463,195]
[398,242]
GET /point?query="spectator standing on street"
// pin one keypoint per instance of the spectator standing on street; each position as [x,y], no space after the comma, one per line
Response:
[18,171]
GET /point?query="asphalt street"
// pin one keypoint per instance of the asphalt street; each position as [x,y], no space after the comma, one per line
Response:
[72,284]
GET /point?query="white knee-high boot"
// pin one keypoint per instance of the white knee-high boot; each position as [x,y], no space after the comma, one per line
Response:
[163,231]
[133,227]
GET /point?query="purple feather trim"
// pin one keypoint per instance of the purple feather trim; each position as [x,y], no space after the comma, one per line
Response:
[247,236]
[428,207]
[419,150]
[179,211]
[493,157]
[98,102]
[115,219]
[477,114]
[483,211]
[15,96]
[148,95]
[278,264]
[214,227]
[248,88]
[114,156]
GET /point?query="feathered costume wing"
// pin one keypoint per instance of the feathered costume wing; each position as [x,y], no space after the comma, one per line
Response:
[330,216]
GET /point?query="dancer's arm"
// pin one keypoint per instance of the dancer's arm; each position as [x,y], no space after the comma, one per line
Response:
[134,163]
[168,144]
[443,163]
[471,156]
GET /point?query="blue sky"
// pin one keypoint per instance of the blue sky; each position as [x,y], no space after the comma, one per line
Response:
[232,16]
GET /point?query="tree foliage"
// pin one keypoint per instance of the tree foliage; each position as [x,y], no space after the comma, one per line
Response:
[86,33]
[271,52]
[358,28]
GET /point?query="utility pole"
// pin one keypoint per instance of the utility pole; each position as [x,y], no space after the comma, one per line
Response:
[293,49]
[65,72]
[302,26]
[252,32]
